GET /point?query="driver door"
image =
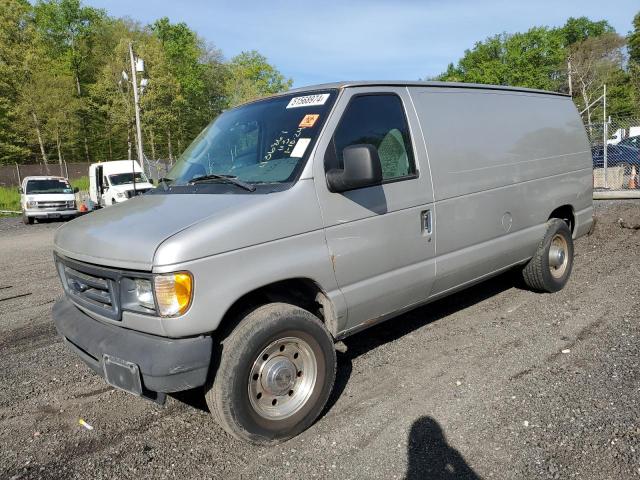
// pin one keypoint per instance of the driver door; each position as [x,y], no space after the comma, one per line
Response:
[380,238]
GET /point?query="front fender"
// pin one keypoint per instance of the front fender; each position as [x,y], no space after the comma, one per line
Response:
[220,280]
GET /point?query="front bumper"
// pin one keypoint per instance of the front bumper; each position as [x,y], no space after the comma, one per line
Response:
[165,364]
[50,213]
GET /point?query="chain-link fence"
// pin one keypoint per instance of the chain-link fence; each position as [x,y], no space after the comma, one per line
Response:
[616,160]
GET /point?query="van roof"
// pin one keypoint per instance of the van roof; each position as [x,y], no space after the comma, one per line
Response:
[404,83]
[43,177]
[119,165]
[116,162]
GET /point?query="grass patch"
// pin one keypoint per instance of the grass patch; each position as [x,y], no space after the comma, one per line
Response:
[81,183]
[10,196]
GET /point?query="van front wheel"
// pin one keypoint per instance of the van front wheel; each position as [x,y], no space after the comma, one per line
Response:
[276,371]
[550,267]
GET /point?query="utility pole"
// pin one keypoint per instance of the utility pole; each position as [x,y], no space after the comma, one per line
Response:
[570,80]
[136,100]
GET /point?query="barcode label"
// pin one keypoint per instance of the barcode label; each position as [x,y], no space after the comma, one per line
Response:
[308,100]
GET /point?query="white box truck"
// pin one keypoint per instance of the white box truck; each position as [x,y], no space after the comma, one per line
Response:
[116,181]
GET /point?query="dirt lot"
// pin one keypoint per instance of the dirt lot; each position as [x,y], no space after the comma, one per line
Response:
[475,386]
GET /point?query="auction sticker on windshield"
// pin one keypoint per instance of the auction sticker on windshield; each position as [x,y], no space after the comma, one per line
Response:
[301,147]
[309,120]
[308,100]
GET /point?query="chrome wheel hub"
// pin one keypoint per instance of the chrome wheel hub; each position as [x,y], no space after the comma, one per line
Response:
[282,378]
[558,256]
[278,376]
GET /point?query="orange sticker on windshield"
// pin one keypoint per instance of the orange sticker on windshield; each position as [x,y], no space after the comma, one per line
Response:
[309,120]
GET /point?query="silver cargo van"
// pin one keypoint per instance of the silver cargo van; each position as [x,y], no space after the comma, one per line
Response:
[297,220]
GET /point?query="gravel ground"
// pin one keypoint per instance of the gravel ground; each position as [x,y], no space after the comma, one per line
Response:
[495,382]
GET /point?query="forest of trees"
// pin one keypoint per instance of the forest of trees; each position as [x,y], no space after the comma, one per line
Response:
[63,95]
[577,58]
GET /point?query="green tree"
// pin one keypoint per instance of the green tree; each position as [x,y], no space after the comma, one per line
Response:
[62,93]
[576,58]
[110,100]
[532,59]
[251,76]
[68,29]
[14,38]
[633,44]
[162,101]
[195,68]
[634,40]
[579,29]
[594,62]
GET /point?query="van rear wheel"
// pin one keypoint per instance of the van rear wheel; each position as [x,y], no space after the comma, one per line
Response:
[276,371]
[550,267]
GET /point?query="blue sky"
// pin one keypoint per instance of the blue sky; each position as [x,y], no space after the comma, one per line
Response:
[315,42]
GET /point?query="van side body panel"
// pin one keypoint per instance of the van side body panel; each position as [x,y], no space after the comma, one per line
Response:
[501,162]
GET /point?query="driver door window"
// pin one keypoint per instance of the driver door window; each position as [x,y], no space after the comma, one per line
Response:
[378,120]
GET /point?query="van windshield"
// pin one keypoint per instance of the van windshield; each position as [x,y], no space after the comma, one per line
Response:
[263,142]
[124,178]
[48,186]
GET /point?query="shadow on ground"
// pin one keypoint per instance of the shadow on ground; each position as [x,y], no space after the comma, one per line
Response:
[430,457]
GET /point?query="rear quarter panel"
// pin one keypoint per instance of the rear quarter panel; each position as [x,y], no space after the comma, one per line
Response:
[501,162]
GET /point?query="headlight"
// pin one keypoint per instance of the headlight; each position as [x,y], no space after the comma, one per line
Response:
[173,293]
[71,204]
[144,293]
[121,195]
[32,204]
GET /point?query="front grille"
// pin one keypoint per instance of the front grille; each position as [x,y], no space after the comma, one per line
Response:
[138,191]
[91,287]
[53,205]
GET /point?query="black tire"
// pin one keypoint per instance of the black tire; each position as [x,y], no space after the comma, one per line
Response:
[228,394]
[539,274]
[27,220]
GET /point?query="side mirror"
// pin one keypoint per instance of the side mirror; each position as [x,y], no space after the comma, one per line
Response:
[76,189]
[20,190]
[361,169]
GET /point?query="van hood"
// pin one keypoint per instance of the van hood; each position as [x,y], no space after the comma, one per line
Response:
[132,234]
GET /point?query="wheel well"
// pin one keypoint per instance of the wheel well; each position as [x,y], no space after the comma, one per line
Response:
[565,213]
[301,292]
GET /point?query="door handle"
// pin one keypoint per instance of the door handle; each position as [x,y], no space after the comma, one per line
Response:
[426,221]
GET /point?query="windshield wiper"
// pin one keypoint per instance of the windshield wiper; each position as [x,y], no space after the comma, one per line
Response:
[225,178]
